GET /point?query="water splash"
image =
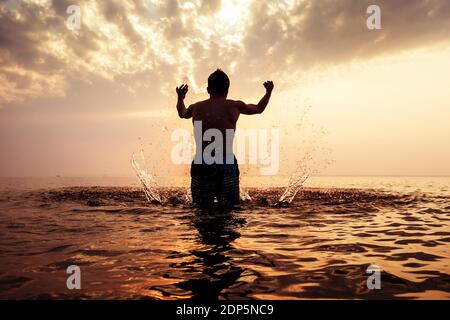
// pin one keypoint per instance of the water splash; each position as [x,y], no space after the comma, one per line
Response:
[188,195]
[304,169]
[301,173]
[150,186]
[147,180]
[296,182]
[245,196]
[315,155]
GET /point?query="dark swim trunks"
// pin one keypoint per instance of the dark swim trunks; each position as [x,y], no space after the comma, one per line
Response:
[215,181]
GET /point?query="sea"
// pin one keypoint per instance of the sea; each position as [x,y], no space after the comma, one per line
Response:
[333,238]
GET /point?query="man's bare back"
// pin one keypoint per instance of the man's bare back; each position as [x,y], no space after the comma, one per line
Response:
[216,113]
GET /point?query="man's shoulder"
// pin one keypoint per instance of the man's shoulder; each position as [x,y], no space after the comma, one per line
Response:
[198,103]
[235,102]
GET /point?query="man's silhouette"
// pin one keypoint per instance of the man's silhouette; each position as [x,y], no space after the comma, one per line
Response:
[219,180]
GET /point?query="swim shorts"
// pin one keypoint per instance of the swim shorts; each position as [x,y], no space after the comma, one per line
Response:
[212,182]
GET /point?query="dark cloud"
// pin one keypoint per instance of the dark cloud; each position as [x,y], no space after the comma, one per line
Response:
[60,6]
[19,39]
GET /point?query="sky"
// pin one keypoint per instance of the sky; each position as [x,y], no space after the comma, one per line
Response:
[347,100]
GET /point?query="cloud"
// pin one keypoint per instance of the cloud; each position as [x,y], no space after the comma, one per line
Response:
[309,33]
[209,6]
[152,45]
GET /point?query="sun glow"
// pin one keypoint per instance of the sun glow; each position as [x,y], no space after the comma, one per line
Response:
[228,23]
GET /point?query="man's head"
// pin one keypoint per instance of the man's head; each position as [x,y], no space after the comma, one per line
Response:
[218,83]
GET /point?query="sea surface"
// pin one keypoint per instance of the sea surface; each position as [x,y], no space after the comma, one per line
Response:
[318,246]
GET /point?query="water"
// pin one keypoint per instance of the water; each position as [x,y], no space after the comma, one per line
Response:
[319,246]
[147,180]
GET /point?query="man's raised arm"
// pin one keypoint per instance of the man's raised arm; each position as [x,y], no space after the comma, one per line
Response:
[262,104]
[183,112]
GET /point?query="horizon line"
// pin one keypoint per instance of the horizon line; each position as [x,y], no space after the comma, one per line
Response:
[253,176]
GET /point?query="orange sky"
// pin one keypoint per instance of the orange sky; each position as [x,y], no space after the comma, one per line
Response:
[363,102]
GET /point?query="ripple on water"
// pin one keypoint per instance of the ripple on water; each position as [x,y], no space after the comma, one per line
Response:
[317,247]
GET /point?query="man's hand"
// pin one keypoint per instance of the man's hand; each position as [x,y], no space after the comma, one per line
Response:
[245,108]
[182,90]
[183,113]
[269,86]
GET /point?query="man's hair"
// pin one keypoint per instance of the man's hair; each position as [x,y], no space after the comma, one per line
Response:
[218,82]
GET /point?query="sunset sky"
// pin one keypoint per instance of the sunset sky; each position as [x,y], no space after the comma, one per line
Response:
[80,102]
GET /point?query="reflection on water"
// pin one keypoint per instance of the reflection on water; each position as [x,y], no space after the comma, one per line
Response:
[317,247]
[210,269]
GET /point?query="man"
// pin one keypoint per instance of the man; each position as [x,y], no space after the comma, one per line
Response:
[217,179]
